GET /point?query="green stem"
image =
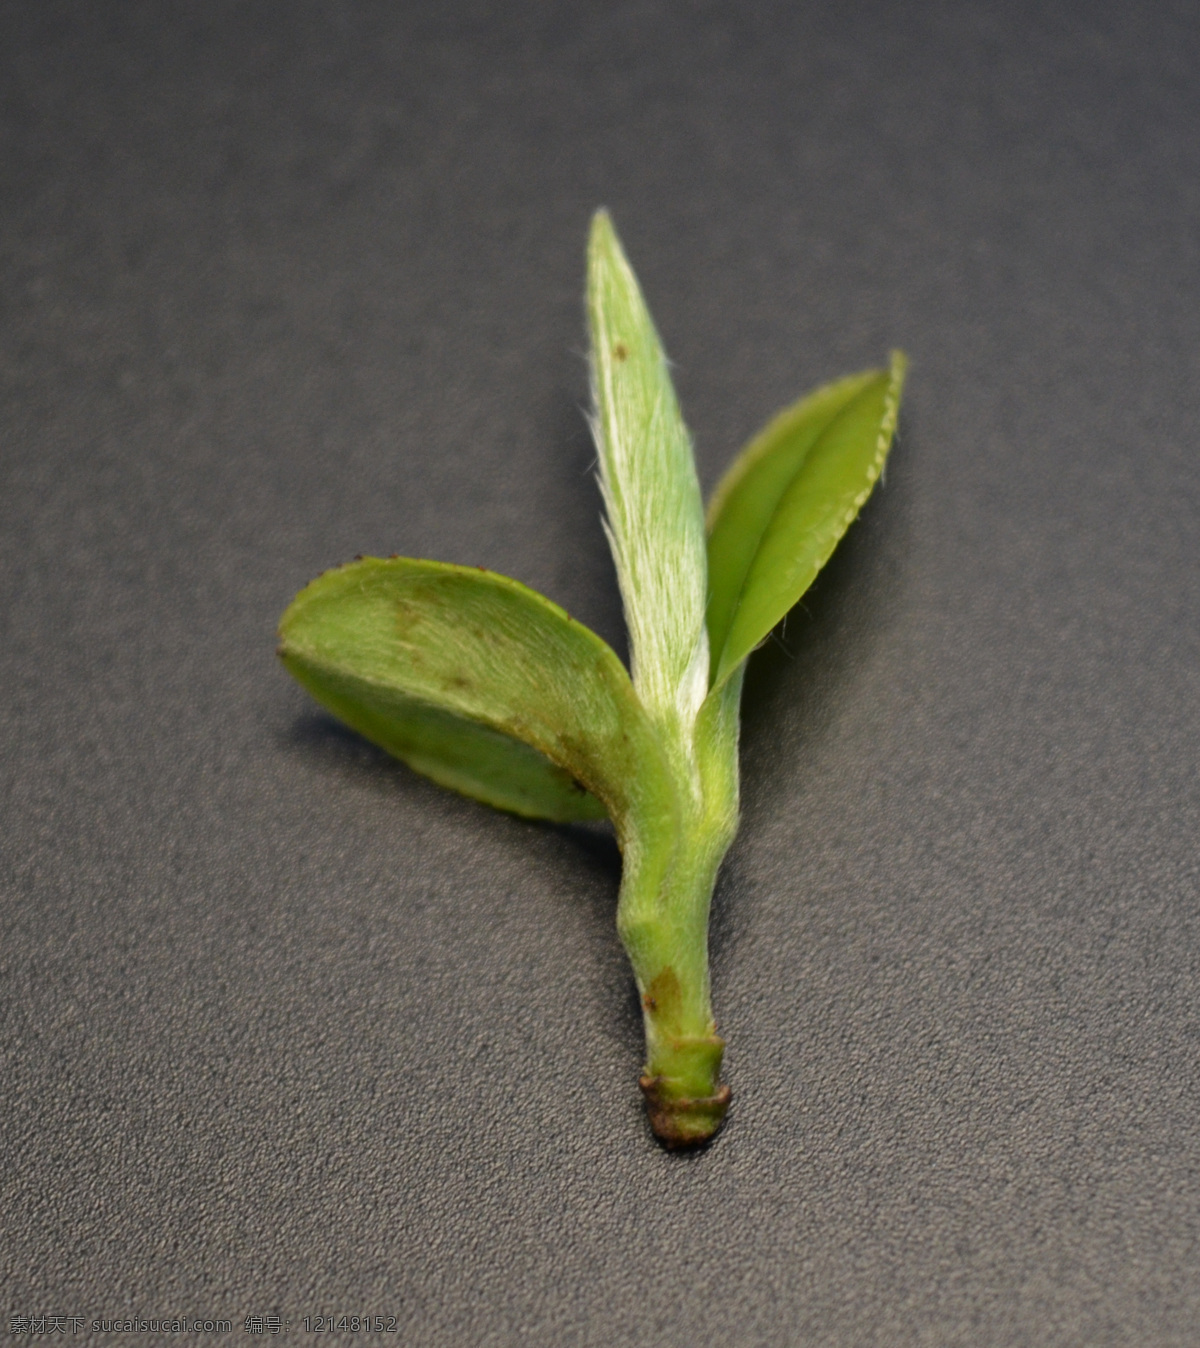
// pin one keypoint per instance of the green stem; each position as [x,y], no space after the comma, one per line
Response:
[666,893]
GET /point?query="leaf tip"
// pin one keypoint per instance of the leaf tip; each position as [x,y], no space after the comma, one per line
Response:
[602,227]
[607,265]
[897,373]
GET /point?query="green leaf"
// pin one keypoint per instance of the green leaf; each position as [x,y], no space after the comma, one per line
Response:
[655,519]
[454,752]
[787,500]
[479,683]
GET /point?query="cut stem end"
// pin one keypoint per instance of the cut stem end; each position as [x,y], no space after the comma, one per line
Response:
[681,1120]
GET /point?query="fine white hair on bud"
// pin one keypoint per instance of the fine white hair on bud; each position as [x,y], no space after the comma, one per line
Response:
[654,514]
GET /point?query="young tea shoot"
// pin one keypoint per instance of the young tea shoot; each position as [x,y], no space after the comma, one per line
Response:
[489,688]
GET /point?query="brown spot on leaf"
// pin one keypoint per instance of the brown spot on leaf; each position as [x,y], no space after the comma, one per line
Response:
[620,351]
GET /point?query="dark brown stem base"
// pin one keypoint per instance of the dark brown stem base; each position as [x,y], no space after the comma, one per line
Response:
[683,1121]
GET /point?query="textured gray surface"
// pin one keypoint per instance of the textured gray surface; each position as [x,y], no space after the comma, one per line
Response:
[287,1030]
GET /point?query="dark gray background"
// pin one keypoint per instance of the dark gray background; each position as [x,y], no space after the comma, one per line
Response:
[288,1030]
